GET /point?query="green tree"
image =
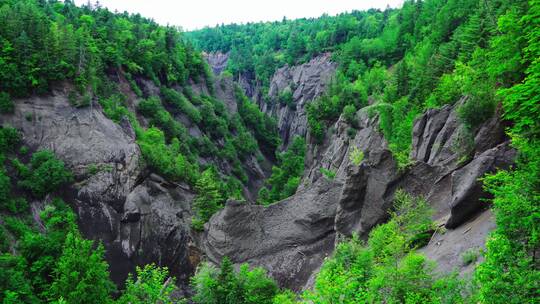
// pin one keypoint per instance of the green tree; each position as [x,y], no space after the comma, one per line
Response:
[286,176]
[45,174]
[81,275]
[6,104]
[152,285]
[228,286]
[209,198]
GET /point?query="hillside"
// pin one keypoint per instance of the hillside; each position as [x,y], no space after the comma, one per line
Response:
[369,157]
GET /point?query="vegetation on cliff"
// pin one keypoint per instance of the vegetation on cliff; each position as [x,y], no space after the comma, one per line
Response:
[394,63]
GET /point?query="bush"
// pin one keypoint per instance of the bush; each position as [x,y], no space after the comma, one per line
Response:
[153,285]
[6,104]
[209,198]
[475,111]
[81,275]
[114,108]
[181,104]
[45,174]
[356,156]
[328,174]
[470,256]
[349,113]
[286,98]
[386,269]
[166,159]
[286,174]
[228,286]
[9,139]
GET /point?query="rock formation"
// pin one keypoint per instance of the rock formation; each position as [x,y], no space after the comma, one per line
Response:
[290,238]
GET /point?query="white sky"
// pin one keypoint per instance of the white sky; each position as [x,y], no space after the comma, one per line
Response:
[194,14]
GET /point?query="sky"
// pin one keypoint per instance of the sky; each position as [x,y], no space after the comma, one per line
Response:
[196,14]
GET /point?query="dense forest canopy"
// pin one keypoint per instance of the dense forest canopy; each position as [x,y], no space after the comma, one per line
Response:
[394,63]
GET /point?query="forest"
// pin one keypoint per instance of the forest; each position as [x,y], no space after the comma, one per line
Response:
[395,63]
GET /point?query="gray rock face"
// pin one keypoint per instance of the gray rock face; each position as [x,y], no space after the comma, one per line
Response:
[217,61]
[443,172]
[447,248]
[81,138]
[290,238]
[306,82]
[466,189]
[139,218]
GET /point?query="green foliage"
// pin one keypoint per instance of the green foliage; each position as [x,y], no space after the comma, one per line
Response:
[386,269]
[470,256]
[6,104]
[264,128]
[115,108]
[341,97]
[9,138]
[81,282]
[29,272]
[510,273]
[152,285]
[45,174]
[229,287]
[475,111]
[396,122]
[166,159]
[286,98]
[356,156]
[349,113]
[60,41]
[181,104]
[209,198]
[328,173]
[448,91]
[286,176]
[511,270]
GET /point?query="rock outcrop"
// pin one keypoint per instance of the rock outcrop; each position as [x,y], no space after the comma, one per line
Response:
[217,61]
[140,218]
[290,238]
[306,82]
[447,158]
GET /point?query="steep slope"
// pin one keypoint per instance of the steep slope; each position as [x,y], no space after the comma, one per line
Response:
[363,195]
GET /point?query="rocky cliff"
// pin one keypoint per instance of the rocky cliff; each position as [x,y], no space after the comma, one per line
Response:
[141,217]
[305,82]
[447,161]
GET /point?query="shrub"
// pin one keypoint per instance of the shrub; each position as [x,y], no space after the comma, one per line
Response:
[356,156]
[181,104]
[470,256]
[9,138]
[81,275]
[351,132]
[386,269]
[349,113]
[166,159]
[153,285]
[286,175]
[209,198]
[286,98]
[45,174]
[328,174]
[6,104]
[228,286]
[475,111]
[114,108]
